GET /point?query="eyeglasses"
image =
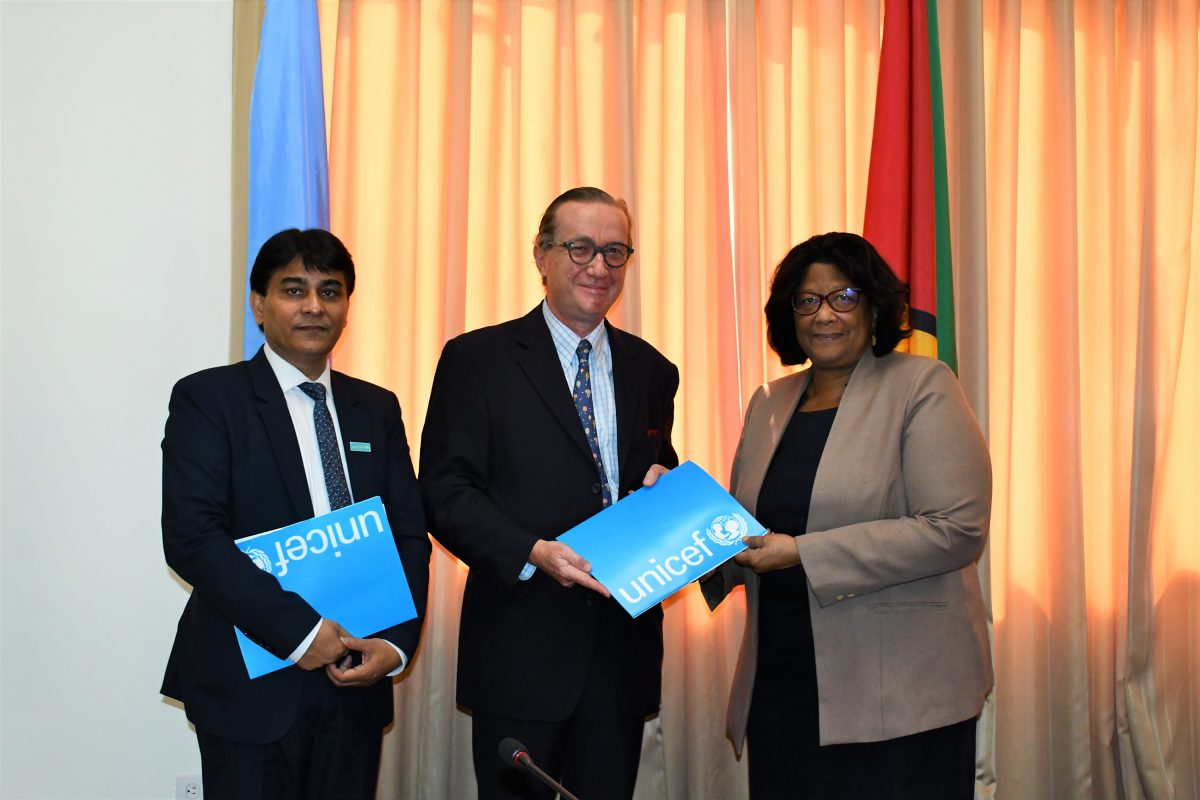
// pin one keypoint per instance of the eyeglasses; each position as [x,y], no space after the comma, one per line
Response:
[807,303]
[582,251]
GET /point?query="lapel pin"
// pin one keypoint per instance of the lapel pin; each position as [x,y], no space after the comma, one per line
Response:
[360,447]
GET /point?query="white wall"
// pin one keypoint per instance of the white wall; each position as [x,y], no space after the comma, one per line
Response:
[114,281]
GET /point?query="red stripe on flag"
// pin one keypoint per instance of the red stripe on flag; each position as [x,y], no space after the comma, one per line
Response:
[900,214]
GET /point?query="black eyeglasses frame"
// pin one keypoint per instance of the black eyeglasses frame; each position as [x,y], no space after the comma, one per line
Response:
[573,246]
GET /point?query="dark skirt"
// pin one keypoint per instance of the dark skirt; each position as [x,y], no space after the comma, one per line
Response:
[786,760]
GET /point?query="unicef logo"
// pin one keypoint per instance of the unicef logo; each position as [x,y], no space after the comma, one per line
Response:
[728,529]
[260,559]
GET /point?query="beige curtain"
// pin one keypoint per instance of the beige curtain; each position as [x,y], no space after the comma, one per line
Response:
[736,129]
[1094,395]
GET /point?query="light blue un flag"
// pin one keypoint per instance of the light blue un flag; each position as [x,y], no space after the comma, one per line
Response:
[289,167]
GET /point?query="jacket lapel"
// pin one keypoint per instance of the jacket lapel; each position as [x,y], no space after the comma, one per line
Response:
[277,421]
[539,360]
[628,380]
[779,401]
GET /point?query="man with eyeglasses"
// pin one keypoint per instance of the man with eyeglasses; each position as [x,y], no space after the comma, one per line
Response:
[533,426]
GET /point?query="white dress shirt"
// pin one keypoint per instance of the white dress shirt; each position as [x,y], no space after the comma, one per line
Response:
[604,405]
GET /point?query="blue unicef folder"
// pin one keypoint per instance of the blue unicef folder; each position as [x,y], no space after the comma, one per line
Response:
[344,564]
[652,543]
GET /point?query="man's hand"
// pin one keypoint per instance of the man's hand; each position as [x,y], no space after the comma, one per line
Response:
[655,472]
[564,565]
[378,659]
[326,648]
[768,552]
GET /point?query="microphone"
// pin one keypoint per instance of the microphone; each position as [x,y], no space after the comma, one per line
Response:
[513,752]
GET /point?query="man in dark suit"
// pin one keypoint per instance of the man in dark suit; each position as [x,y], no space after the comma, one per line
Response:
[256,446]
[534,426]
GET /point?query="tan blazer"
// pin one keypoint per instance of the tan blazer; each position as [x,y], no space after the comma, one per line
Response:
[899,515]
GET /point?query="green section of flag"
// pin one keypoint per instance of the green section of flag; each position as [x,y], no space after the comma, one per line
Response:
[946,341]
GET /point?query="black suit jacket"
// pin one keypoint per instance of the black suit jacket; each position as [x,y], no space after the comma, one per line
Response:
[504,462]
[231,468]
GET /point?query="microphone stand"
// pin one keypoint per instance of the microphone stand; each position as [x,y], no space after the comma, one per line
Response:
[514,751]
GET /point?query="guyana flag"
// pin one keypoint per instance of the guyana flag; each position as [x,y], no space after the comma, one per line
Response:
[908,215]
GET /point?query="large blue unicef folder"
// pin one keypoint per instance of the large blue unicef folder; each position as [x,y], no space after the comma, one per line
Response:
[343,563]
[652,543]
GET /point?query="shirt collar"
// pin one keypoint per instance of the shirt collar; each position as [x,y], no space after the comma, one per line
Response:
[565,338]
[288,376]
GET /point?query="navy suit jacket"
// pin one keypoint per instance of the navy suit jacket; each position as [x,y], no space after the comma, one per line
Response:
[232,468]
[504,462]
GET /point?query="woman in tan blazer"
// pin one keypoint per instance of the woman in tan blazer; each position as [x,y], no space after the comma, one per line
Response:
[865,661]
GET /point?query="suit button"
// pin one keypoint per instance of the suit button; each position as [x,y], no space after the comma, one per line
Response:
[595,488]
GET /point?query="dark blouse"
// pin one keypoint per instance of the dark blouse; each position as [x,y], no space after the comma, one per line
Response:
[785,629]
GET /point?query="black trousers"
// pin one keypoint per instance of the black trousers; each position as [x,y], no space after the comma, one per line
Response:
[594,753]
[327,754]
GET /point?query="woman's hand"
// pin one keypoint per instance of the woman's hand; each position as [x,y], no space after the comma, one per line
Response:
[768,552]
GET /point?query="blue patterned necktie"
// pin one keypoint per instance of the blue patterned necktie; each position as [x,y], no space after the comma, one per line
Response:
[331,457]
[582,393]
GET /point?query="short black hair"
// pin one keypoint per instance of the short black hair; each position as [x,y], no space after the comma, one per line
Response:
[580,194]
[318,249]
[856,258]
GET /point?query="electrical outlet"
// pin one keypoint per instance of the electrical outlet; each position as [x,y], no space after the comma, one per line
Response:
[188,787]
